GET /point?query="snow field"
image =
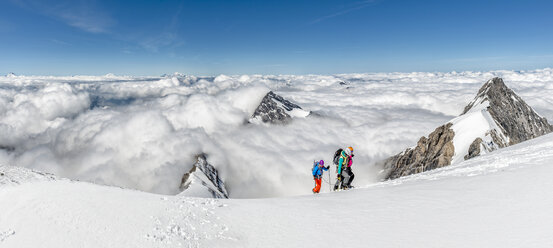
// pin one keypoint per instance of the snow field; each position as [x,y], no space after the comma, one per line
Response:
[76,214]
[501,199]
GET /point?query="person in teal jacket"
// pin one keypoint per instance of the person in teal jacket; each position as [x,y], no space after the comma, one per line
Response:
[345,175]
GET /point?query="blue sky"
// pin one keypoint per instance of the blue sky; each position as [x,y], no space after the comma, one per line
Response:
[210,37]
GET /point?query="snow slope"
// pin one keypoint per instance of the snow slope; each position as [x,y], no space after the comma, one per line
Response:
[501,199]
[478,123]
[10,175]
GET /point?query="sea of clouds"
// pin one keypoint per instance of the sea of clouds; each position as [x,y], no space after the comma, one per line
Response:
[143,132]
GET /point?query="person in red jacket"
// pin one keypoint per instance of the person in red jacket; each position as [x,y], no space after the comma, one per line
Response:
[318,168]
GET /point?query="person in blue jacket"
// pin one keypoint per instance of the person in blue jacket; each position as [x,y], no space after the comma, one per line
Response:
[318,168]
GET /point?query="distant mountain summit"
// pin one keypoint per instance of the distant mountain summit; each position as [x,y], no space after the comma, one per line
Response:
[496,118]
[277,110]
[175,74]
[516,119]
[203,181]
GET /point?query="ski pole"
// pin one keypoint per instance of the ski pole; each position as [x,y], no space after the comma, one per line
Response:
[329,187]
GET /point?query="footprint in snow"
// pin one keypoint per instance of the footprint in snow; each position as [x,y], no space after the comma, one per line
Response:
[4,235]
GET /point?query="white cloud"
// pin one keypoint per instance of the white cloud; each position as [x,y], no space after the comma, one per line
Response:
[85,15]
[354,7]
[143,132]
[168,38]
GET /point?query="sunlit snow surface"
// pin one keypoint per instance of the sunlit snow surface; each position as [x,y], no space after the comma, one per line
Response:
[500,199]
[143,133]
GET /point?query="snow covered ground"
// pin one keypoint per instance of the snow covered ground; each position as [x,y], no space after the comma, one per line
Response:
[144,132]
[501,199]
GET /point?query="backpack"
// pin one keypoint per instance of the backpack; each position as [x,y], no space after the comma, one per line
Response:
[315,167]
[336,158]
[346,160]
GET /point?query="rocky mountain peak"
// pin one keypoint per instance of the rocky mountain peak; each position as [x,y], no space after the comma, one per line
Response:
[516,119]
[496,118]
[277,110]
[203,180]
[492,92]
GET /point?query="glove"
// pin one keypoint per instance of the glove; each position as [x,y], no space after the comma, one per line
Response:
[328,167]
[339,178]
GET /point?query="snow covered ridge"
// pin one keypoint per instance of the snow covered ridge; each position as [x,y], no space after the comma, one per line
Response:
[11,175]
[203,181]
[496,118]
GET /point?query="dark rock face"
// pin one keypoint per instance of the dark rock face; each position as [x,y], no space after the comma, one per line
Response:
[7,148]
[274,109]
[206,175]
[474,149]
[430,153]
[103,102]
[518,121]
[512,121]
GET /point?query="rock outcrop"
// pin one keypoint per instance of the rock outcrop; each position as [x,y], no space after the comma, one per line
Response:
[430,153]
[474,148]
[275,109]
[496,118]
[203,181]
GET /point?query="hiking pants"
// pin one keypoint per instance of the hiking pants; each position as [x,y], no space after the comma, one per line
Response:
[340,184]
[317,185]
[349,177]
